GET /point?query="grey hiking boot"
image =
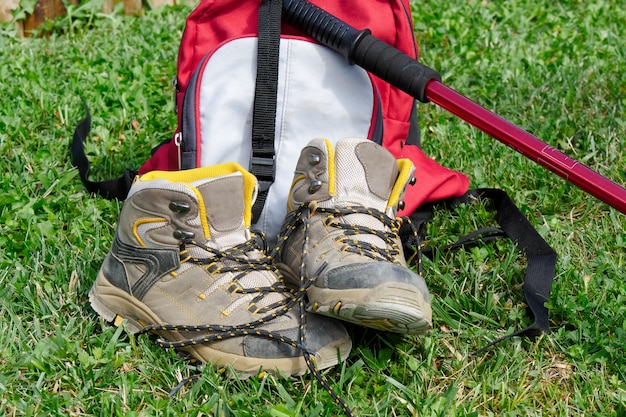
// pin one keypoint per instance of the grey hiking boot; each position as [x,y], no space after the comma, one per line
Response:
[185,265]
[341,237]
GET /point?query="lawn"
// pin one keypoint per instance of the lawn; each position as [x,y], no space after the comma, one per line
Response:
[555,69]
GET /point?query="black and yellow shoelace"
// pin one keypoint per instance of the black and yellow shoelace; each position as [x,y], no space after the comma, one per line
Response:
[235,260]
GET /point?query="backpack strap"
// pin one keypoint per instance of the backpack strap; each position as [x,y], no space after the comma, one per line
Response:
[541,258]
[116,188]
[262,160]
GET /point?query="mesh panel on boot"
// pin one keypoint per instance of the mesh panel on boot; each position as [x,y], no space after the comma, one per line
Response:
[357,164]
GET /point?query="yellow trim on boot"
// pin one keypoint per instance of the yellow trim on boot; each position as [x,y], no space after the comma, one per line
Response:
[191,175]
[330,154]
[406,171]
[144,221]
[330,150]
[298,178]
[213,171]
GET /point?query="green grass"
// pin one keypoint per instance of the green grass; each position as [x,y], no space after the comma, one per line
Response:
[553,68]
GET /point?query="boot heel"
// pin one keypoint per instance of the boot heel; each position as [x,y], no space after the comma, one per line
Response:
[106,310]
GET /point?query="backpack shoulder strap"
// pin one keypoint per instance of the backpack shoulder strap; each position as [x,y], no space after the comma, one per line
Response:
[541,258]
[262,163]
[262,160]
[116,188]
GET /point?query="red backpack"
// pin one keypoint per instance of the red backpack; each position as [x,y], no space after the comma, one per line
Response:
[242,95]
[252,89]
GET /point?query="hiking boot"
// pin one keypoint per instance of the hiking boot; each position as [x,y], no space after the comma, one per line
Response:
[185,265]
[340,238]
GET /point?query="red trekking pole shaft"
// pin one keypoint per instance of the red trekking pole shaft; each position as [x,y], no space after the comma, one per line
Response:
[423,83]
[528,145]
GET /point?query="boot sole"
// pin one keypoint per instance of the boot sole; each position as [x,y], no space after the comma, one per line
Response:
[391,307]
[118,307]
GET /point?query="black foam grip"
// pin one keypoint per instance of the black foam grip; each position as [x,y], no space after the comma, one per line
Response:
[321,26]
[394,66]
[361,48]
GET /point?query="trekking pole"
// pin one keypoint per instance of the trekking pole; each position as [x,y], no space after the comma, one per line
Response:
[360,47]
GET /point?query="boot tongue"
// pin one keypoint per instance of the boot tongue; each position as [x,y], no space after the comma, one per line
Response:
[366,180]
[227,206]
[224,207]
[365,175]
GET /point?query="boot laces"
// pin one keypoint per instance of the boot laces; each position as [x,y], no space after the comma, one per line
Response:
[363,236]
[242,259]
[292,222]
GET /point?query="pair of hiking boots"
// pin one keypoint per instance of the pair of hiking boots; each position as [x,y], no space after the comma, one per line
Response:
[185,265]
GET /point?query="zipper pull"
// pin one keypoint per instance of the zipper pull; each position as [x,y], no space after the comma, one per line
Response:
[178,140]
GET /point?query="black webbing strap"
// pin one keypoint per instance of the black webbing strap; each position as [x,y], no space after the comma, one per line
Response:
[262,161]
[116,188]
[541,258]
